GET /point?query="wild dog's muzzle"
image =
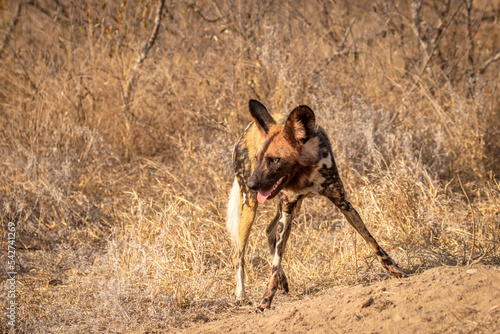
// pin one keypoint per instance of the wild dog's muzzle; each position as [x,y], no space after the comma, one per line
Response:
[264,194]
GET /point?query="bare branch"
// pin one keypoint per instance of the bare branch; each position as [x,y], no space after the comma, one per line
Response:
[438,40]
[32,83]
[415,18]
[442,13]
[37,6]
[470,55]
[141,58]
[341,48]
[12,25]
[494,57]
[197,11]
[62,8]
[470,35]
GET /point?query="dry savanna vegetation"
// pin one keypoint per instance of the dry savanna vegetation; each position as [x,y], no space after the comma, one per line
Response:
[117,122]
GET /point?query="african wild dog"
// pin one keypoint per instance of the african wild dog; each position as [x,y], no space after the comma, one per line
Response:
[291,157]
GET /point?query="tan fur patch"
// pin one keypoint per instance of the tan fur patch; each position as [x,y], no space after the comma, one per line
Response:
[299,132]
[309,154]
[280,147]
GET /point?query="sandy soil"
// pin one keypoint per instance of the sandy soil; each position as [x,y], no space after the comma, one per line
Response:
[440,300]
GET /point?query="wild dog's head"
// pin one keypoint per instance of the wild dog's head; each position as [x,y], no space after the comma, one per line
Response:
[282,150]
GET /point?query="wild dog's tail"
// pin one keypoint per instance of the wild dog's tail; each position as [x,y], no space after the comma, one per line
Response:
[233,212]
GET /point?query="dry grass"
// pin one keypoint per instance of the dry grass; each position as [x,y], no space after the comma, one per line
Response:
[120,215]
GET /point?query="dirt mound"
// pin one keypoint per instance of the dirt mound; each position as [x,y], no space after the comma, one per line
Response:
[440,300]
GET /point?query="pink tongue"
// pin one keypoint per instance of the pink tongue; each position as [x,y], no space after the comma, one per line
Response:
[262,196]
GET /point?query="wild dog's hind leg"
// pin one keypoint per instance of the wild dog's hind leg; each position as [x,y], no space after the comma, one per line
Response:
[282,223]
[247,216]
[335,192]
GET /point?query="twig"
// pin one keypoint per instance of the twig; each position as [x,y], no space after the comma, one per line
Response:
[12,25]
[439,29]
[469,32]
[197,11]
[344,38]
[140,59]
[63,9]
[32,83]
[37,6]
[494,57]
[415,18]
[341,48]
[470,55]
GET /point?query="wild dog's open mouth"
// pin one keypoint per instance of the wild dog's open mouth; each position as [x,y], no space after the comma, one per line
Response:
[262,196]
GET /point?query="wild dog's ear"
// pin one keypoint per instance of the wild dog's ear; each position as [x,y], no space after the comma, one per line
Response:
[299,126]
[260,115]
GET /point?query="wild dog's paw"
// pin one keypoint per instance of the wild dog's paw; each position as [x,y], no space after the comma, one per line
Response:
[265,303]
[391,266]
[396,271]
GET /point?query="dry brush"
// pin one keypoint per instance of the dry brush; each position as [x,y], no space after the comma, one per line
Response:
[117,175]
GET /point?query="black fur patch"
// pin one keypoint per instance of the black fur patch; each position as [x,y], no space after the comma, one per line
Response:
[261,115]
[241,159]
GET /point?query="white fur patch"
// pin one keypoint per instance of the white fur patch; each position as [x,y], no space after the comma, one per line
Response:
[240,283]
[233,212]
[326,161]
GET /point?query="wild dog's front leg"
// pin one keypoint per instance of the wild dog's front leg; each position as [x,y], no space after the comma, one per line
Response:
[283,228]
[335,193]
[271,239]
[246,219]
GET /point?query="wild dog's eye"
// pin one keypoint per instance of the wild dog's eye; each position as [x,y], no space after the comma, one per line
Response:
[273,161]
